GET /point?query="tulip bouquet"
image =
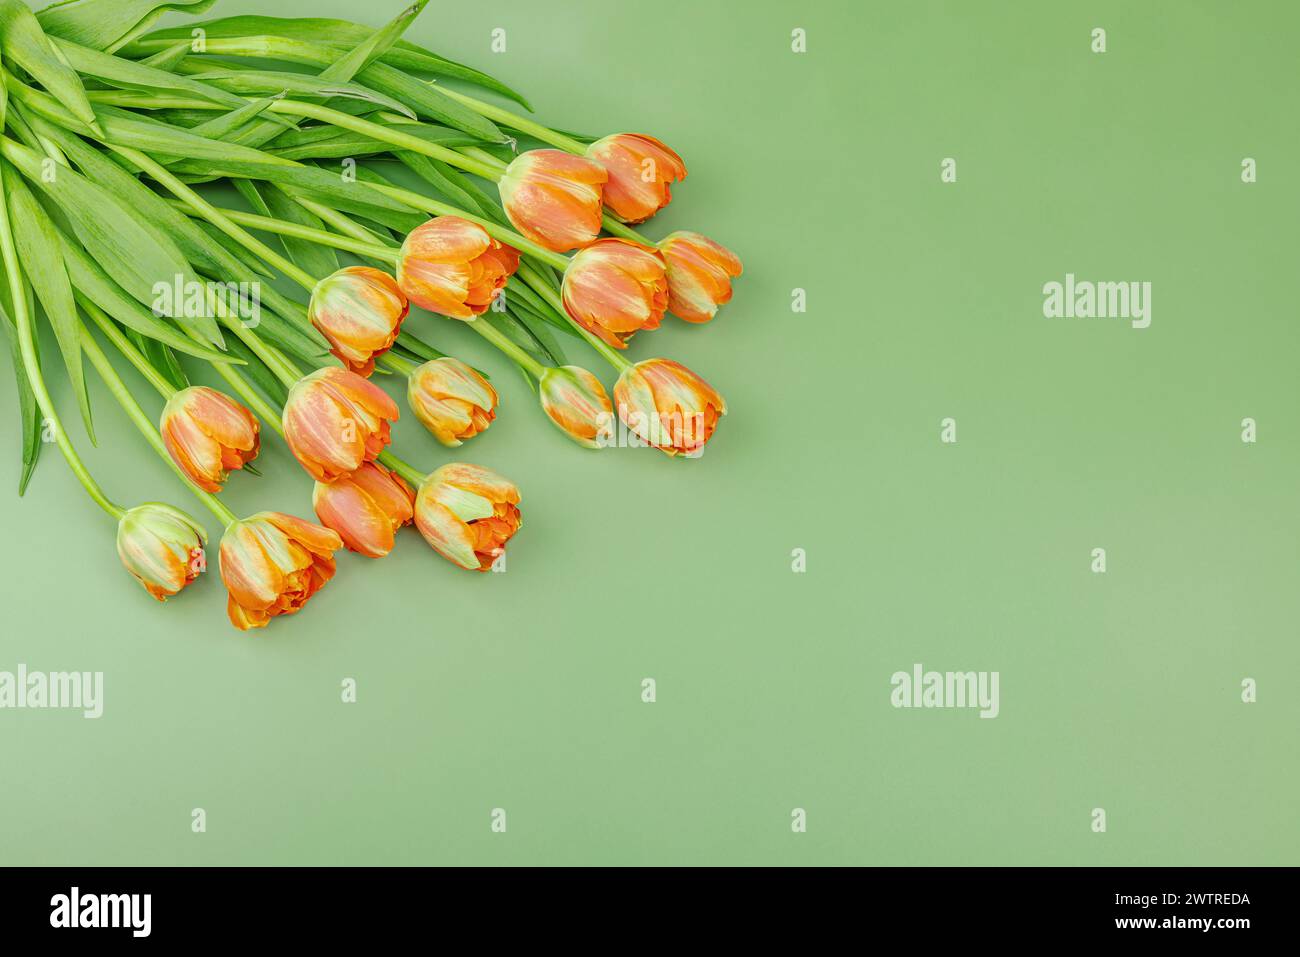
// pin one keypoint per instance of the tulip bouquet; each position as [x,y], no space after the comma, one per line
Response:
[115,141]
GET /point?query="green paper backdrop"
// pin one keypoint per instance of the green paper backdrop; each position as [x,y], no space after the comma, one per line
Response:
[523,691]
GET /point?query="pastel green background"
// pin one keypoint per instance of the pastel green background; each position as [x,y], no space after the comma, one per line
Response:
[522,690]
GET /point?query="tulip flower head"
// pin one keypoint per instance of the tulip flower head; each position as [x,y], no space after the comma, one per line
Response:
[554,198]
[577,403]
[334,420]
[467,514]
[360,311]
[616,288]
[451,266]
[699,275]
[641,173]
[453,401]
[365,508]
[162,547]
[207,434]
[668,405]
[272,564]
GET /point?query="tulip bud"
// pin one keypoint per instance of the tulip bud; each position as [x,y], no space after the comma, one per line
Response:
[576,402]
[365,508]
[451,266]
[554,198]
[334,420]
[668,405]
[616,288]
[207,433]
[453,401]
[467,514]
[272,564]
[360,311]
[641,173]
[162,547]
[699,275]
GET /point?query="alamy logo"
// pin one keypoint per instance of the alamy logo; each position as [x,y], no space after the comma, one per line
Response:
[1083,299]
[75,909]
[82,690]
[946,689]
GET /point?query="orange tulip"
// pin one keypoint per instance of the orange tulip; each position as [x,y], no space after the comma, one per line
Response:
[453,401]
[576,402]
[554,198]
[162,547]
[207,433]
[451,266]
[360,311]
[668,405]
[467,513]
[616,288]
[272,564]
[699,275]
[641,173]
[366,508]
[334,420]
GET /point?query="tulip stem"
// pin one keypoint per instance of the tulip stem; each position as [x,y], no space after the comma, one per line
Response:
[341,222]
[32,366]
[500,233]
[543,289]
[481,325]
[282,228]
[141,421]
[214,215]
[128,349]
[404,469]
[515,121]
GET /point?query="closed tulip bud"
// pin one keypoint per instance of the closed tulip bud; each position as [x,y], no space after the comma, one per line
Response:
[576,402]
[334,420]
[554,198]
[365,508]
[616,288]
[207,434]
[162,547]
[272,564]
[467,514]
[451,266]
[699,275]
[453,401]
[668,405]
[360,311]
[641,173]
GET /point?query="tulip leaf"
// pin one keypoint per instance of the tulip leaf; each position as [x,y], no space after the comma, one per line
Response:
[29,413]
[168,57]
[403,54]
[108,24]
[313,258]
[128,75]
[271,81]
[22,41]
[37,243]
[161,359]
[223,126]
[262,377]
[326,142]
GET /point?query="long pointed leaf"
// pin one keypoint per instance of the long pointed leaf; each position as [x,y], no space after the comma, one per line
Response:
[24,42]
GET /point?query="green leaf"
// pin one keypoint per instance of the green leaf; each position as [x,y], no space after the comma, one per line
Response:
[23,42]
[37,242]
[129,75]
[244,260]
[168,57]
[227,124]
[273,81]
[29,412]
[135,253]
[315,259]
[339,34]
[331,142]
[107,24]
[161,359]
[262,377]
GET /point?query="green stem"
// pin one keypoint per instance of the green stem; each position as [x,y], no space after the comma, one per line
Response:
[521,123]
[252,398]
[543,289]
[27,346]
[499,339]
[141,421]
[404,469]
[397,364]
[500,233]
[214,215]
[624,231]
[128,349]
[298,231]
[340,221]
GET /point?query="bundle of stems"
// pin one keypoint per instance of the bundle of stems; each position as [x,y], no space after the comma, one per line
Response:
[117,144]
